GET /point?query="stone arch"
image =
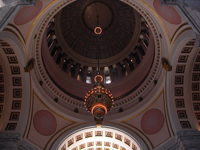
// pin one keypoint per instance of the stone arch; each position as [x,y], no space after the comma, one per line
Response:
[66,133]
[178,85]
[17,88]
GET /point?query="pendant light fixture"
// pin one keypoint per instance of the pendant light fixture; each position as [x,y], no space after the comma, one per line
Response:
[98,101]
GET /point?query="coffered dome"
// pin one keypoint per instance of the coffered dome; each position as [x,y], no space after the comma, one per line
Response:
[75,25]
[70,50]
[148,60]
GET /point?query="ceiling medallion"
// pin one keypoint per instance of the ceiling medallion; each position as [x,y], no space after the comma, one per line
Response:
[98,100]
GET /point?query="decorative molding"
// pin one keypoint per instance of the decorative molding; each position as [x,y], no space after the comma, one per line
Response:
[180,68]
[179,83]
[16,88]
[165,64]
[195,88]
[30,65]
[180,103]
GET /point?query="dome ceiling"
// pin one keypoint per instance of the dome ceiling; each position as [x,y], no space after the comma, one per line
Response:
[44,109]
[76,23]
[67,61]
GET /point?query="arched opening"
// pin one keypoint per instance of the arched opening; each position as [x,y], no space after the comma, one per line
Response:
[104,138]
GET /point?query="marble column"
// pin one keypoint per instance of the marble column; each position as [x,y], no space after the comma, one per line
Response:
[50,27]
[50,36]
[8,8]
[62,61]
[53,44]
[127,66]
[184,140]
[189,10]
[69,66]
[143,46]
[55,57]
[135,64]
[190,139]
[146,37]
[119,71]
[14,141]
[77,69]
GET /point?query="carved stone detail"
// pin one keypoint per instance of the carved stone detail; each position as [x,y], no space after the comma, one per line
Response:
[165,64]
[30,65]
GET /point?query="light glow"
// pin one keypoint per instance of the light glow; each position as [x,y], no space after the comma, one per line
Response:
[99,105]
[103,137]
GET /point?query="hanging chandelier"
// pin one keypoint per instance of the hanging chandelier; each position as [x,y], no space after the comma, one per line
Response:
[98,101]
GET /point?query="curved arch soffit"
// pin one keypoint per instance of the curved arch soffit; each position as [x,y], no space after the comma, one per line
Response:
[172,98]
[66,135]
[19,82]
